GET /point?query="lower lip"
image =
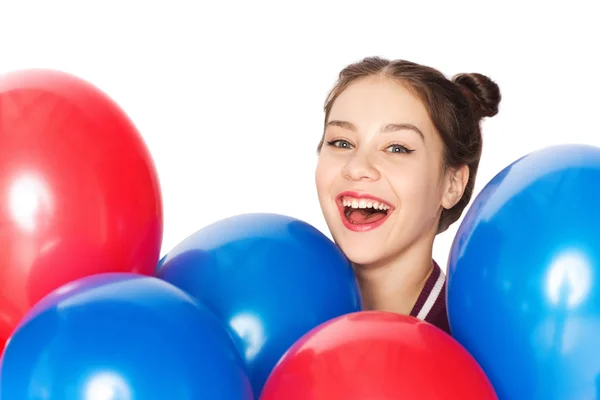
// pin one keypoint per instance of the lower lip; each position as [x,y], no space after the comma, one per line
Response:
[361,227]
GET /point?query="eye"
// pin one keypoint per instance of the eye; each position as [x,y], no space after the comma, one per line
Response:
[398,148]
[340,143]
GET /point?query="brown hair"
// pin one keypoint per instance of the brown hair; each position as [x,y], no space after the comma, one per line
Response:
[455,107]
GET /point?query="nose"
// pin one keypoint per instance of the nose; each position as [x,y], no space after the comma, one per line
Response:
[359,168]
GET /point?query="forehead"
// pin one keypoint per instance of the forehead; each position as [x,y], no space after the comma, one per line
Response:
[380,100]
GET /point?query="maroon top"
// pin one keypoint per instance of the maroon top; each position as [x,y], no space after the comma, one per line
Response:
[431,304]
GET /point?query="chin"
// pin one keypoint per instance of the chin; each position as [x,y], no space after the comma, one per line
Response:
[358,252]
[363,260]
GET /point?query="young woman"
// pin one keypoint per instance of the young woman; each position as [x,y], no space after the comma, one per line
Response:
[397,165]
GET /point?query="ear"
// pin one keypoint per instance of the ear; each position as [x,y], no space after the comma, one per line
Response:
[456,182]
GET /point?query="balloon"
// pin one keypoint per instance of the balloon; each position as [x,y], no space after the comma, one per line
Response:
[121,336]
[524,276]
[79,193]
[377,355]
[160,262]
[270,278]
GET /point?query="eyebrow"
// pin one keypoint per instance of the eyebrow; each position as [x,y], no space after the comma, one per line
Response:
[384,129]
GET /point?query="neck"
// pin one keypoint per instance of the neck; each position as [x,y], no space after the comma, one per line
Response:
[395,284]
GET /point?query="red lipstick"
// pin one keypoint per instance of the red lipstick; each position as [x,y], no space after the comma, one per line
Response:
[366,226]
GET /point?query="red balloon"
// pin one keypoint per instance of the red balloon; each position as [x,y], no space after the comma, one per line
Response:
[377,355]
[79,193]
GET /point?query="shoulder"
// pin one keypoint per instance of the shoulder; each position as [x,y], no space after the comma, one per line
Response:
[431,304]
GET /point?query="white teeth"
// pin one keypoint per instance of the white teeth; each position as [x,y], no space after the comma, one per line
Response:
[363,203]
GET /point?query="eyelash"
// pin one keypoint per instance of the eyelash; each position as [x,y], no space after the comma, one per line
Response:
[334,143]
[403,149]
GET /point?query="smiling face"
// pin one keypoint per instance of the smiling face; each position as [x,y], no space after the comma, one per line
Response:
[380,176]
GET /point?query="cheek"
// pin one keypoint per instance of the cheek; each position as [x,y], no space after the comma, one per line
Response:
[417,188]
[325,175]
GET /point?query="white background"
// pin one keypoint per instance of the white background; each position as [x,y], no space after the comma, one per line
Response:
[229,95]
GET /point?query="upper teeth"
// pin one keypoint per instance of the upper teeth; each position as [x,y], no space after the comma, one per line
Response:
[363,203]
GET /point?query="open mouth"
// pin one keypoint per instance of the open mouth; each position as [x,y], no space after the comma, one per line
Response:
[360,213]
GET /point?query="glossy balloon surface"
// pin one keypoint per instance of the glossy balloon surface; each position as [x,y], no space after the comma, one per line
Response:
[79,193]
[270,278]
[121,336]
[524,276]
[377,355]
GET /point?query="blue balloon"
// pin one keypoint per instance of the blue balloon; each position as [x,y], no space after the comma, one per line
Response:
[270,278]
[121,336]
[160,262]
[524,276]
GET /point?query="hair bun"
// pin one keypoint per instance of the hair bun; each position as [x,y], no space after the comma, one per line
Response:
[482,92]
